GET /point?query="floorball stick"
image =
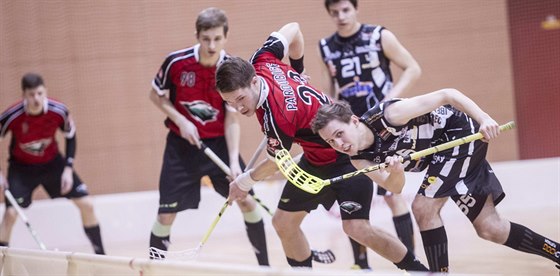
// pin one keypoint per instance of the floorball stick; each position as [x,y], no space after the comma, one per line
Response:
[313,184]
[23,217]
[158,254]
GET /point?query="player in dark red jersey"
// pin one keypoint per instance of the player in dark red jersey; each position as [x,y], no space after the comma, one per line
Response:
[184,89]
[285,104]
[401,127]
[35,159]
[357,69]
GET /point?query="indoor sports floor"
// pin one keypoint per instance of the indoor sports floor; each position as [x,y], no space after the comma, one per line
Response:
[532,199]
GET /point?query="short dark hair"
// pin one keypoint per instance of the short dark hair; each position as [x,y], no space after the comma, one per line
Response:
[211,18]
[31,80]
[337,110]
[234,73]
[328,3]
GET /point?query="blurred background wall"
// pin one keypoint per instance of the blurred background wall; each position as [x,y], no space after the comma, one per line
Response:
[99,57]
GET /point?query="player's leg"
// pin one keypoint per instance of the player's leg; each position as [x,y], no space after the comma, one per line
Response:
[90,223]
[401,219]
[79,196]
[22,180]
[491,226]
[434,237]
[360,255]
[255,228]
[254,224]
[383,243]
[296,247]
[179,187]
[354,196]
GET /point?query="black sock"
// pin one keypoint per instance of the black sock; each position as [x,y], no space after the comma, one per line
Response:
[94,235]
[6,244]
[360,254]
[435,247]
[523,239]
[405,230]
[305,263]
[256,234]
[159,243]
[410,263]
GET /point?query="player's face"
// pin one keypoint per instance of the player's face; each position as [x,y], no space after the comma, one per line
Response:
[244,100]
[344,16]
[343,137]
[212,41]
[35,98]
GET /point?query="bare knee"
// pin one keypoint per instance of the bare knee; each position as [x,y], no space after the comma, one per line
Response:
[10,217]
[287,224]
[426,211]
[166,218]
[494,230]
[84,204]
[247,204]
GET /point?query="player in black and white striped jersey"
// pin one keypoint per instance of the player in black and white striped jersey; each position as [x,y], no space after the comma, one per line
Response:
[399,127]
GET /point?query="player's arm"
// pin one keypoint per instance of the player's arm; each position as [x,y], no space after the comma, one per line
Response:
[399,113]
[3,181]
[328,82]
[188,129]
[67,180]
[401,57]
[239,188]
[295,43]
[392,178]
[232,134]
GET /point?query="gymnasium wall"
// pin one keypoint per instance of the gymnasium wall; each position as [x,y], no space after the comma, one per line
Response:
[99,57]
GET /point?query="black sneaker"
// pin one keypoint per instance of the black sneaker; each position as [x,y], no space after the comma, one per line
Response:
[324,257]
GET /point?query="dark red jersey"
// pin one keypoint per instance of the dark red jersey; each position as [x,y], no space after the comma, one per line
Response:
[192,90]
[287,104]
[33,136]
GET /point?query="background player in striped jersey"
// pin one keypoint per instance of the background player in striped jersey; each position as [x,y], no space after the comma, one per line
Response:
[284,104]
[400,127]
[184,90]
[36,160]
[357,60]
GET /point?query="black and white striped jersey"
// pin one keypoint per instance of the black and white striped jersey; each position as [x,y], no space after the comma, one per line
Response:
[361,73]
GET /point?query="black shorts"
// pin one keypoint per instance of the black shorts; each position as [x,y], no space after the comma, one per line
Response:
[183,167]
[464,175]
[353,195]
[24,178]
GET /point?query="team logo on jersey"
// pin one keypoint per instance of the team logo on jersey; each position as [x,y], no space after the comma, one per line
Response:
[37,147]
[272,143]
[201,111]
[350,206]
[188,78]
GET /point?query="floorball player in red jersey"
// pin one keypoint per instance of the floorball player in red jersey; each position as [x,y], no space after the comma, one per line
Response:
[285,104]
[35,158]
[184,89]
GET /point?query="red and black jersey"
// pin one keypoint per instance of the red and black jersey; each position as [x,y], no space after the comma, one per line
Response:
[33,136]
[192,90]
[287,104]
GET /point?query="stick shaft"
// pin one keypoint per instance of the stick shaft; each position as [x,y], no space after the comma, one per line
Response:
[218,161]
[419,154]
[23,217]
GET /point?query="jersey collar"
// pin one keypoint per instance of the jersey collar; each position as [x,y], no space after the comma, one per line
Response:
[263,91]
[197,56]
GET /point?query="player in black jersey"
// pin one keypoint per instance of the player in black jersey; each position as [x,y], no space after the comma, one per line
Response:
[357,60]
[400,127]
